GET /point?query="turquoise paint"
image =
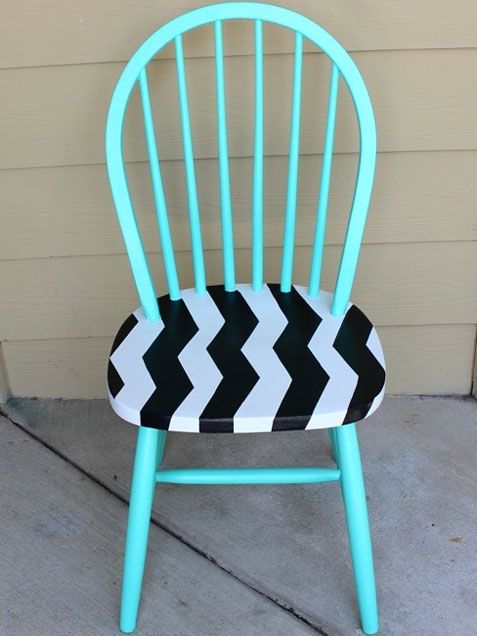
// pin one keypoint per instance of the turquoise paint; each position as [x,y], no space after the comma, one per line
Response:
[172,31]
[323,195]
[334,445]
[290,212]
[226,476]
[257,198]
[354,497]
[196,236]
[151,442]
[158,190]
[127,219]
[226,206]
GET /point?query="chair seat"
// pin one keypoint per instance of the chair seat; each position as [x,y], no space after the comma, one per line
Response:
[246,361]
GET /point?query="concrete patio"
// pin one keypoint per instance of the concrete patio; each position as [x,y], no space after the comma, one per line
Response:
[236,560]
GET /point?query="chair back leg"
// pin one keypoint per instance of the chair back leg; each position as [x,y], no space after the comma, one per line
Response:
[149,450]
[354,497]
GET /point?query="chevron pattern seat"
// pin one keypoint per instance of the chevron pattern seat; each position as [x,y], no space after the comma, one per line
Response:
[246,361]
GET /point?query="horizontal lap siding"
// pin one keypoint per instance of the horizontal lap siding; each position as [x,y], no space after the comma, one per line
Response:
[430,359]
[38,34]
[53,116]
[65,286]
[418,197]
[397,284]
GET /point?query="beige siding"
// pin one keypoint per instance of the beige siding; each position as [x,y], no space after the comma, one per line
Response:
[64,282]
[35,33]
[418,197]
[55,115]
[415,355]
[398,284]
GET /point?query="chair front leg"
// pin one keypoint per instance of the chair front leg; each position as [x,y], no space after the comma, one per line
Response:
[354,497]
[334,445]
[149,448]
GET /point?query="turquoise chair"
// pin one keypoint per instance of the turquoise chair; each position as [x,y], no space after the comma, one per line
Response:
[244,358]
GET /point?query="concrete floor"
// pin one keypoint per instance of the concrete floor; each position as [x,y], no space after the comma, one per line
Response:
[236,560]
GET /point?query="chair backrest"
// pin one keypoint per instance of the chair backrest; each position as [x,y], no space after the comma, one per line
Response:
[342,66]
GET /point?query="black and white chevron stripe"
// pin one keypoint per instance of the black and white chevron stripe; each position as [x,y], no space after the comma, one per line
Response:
[246,361]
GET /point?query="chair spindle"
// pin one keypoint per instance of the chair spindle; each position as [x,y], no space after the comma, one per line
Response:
[257,201]
[158,190]
[290,214]
[226,206]
[323,194]
[196,237]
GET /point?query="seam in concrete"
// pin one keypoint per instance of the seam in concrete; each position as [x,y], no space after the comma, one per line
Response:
[276,601]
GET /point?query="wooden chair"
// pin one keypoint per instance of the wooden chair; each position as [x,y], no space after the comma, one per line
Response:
[244,358]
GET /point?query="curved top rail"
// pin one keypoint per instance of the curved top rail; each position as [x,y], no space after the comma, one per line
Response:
[290,20]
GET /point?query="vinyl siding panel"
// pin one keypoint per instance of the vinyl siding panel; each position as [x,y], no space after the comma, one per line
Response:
[418,197]
[65,285]
[423,100]
[36,33]
[397,284]
[73,368]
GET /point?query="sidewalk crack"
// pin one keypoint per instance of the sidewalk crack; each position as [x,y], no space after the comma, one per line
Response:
[275,600]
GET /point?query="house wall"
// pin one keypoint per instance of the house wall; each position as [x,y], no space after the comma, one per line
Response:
[65,285]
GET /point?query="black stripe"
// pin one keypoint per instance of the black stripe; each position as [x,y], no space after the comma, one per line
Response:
[161,359]
[239,377]
[308,376]
[115,382]
[350,343]
[124,330]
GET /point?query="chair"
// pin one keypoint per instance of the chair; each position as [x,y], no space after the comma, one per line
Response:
[243,358]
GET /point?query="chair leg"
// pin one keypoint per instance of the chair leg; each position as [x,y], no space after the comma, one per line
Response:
[334,445]
[161,444]
[149,448]
[354,497]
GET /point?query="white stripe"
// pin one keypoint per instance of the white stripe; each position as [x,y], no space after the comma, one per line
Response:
[332,406]
[197,363]
[138,385]
[374,346]
[257,411]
